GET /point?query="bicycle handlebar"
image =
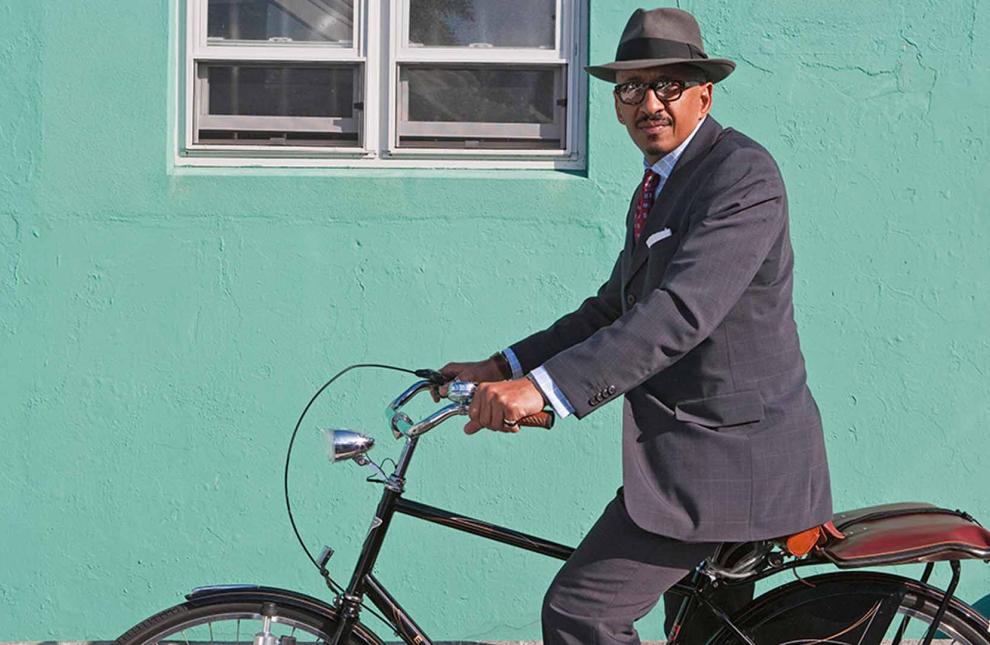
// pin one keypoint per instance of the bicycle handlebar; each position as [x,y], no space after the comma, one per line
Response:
[542,419]
[461,393]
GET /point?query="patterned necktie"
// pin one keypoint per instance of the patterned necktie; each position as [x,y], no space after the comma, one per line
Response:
[645,202]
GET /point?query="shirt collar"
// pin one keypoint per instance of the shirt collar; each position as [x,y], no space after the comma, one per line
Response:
[665,165]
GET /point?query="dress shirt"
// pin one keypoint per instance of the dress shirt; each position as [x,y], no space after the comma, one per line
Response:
[663,167]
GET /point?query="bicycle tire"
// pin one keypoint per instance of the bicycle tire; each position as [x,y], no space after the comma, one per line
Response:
[237,621]
[789,614]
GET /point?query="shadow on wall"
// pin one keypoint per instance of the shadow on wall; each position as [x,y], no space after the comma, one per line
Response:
[983,605]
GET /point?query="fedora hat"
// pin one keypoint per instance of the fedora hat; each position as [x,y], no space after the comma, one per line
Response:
[662,37]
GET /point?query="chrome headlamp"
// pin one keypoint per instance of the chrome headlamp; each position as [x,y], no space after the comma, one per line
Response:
[346,444]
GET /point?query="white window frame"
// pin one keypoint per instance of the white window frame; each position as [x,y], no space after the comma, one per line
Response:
[378,51]
[401,53]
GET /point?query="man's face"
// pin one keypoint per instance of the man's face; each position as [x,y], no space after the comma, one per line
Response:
[657,127]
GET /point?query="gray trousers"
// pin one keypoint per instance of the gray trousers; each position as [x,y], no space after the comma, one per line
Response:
[616,576]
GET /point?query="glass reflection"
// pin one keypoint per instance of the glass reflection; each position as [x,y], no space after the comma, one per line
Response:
[480,95]
[482,23]
[320,21]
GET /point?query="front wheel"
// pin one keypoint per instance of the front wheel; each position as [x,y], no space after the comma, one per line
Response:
[231,622]
[855,607]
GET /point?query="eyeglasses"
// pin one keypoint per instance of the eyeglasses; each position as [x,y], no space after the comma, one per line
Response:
[665,89]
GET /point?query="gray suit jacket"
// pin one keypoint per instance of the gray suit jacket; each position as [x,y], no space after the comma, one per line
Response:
[721,438]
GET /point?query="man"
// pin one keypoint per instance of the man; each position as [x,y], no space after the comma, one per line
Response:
[722,439]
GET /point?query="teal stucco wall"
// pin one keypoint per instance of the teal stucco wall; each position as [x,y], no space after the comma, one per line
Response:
[161,328]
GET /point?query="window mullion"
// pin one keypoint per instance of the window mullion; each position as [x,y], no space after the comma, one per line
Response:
[479,55]
[278,54]
[371,48]
[393,24]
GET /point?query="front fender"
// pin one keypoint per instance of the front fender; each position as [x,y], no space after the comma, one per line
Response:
[284,597]
[206,595]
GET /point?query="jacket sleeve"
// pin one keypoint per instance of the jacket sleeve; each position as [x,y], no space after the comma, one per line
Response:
[594,313]
[733,222]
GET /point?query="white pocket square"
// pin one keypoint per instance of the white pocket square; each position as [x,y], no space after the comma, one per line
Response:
[656,237]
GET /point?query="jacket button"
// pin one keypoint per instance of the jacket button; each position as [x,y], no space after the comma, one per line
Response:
[611,389]
[592,402]
[630,299]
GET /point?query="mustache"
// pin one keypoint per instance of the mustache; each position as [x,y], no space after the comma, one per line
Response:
[656,119]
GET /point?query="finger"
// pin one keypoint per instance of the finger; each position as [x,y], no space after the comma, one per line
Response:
[486,411]
[471,427]
[498,420]
[501,414]
[450,370]
[473,410]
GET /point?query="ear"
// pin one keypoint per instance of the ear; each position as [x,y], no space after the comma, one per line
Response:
[705,97]
[618,110]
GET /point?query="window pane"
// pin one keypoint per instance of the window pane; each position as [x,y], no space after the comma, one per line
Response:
[322,21]
[493,23]
[281,91]
[481,107]
[481,95]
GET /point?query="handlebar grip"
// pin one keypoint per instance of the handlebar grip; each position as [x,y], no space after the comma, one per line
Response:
[543,419]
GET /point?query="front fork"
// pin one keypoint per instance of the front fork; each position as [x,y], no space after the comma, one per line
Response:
[349,603]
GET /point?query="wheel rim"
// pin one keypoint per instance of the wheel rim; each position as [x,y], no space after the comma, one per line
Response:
[919,614]
[237,627]
[798,613]
[948,632]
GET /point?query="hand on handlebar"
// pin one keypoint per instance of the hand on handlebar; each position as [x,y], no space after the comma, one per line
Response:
[477,372]
[495,403]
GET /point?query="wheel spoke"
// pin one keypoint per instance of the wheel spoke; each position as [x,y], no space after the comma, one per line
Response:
[900,630]
[221,624]
[903,611]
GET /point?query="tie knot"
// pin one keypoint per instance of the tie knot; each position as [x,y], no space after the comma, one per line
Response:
[650,178]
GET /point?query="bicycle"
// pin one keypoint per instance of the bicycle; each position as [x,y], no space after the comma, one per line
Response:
[843,607]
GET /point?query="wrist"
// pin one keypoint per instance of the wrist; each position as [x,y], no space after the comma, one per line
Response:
[529,377]
[502,364]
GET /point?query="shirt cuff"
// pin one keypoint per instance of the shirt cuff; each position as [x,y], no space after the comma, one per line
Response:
[513,362]
[560,404]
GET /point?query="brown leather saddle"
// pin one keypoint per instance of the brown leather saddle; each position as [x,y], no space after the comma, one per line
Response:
[899,533]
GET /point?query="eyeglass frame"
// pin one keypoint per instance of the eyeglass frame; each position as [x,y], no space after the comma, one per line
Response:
[655,85]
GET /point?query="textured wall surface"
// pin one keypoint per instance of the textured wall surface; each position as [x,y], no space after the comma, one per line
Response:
[160,329]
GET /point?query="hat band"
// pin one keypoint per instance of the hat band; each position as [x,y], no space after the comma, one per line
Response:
[656,48]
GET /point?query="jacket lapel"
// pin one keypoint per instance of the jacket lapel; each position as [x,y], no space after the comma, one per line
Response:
[692,155]
[627,247]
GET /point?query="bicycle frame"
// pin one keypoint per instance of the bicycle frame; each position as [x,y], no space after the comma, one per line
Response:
[363,583]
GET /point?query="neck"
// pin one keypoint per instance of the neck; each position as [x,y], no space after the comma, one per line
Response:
[652,159]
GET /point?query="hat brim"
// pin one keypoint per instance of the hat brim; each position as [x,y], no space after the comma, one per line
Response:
[715,69]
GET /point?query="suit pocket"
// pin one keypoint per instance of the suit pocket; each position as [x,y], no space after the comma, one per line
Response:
[663,246]
[657,259]
[722,411]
